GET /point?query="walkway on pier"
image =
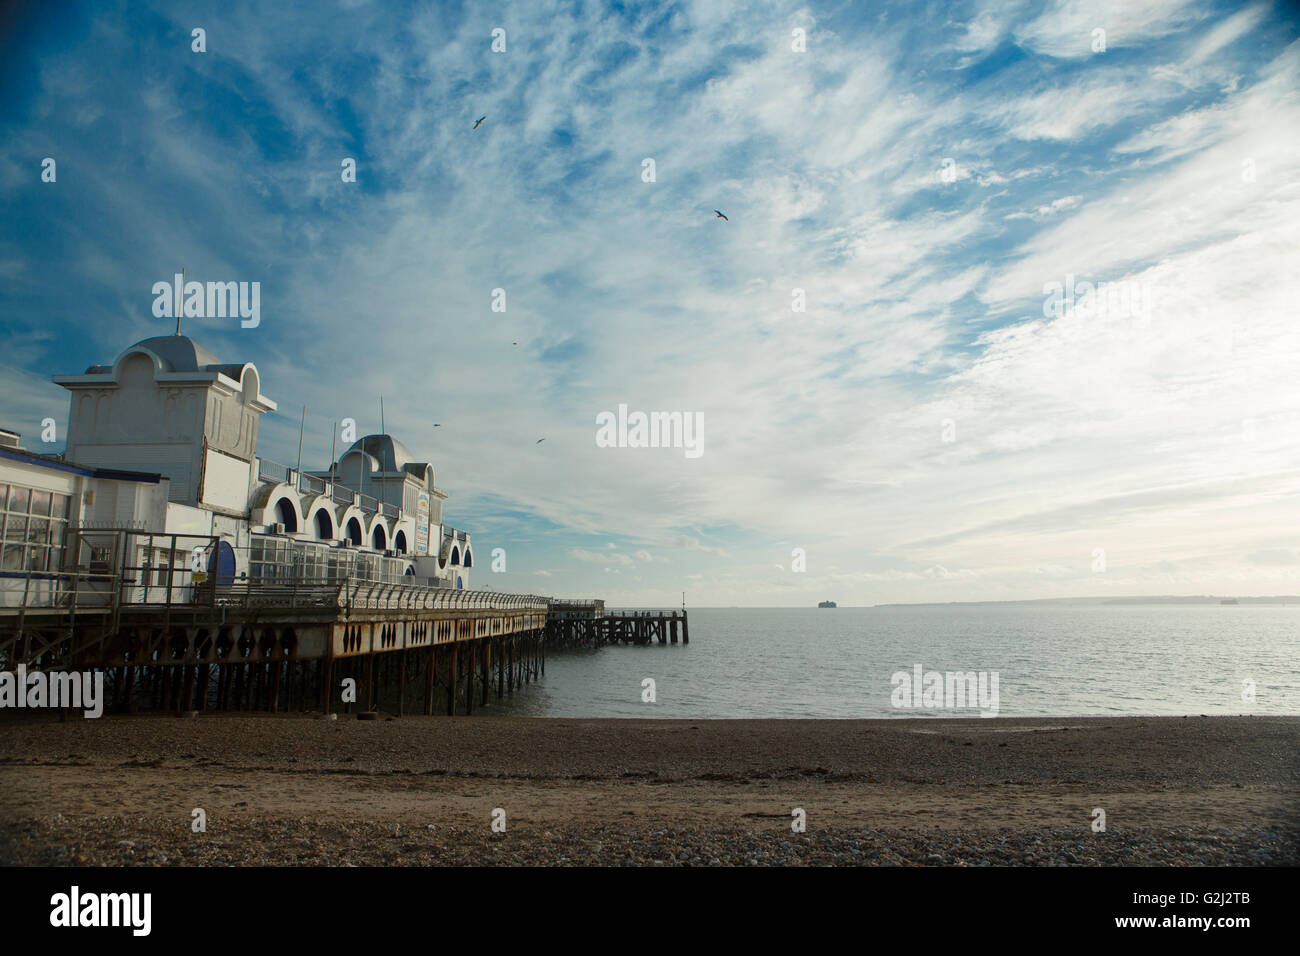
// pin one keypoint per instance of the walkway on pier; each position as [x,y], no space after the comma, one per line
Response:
[568,626]
[200,643]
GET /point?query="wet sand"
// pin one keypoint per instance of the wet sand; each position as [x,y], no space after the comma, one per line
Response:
[422,791]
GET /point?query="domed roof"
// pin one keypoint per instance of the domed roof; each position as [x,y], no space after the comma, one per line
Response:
[390,453]
[178,353]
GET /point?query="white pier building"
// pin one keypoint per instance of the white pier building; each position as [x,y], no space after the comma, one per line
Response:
[164,441]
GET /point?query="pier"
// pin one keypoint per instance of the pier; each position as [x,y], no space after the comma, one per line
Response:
[162,549]
[197,642]
[575,624]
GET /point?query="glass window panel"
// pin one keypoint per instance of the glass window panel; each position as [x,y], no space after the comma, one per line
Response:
[38,531]
[41,503]
[4,496]
[38,559]
[15,528]
[59,506]
[17,498]
[12,558]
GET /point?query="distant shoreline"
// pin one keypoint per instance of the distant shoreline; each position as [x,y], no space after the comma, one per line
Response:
[1279,600]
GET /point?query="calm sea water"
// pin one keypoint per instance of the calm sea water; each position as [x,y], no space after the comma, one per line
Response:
[1050,661]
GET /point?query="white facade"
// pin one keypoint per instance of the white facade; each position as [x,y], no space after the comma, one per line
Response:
[47,505]
[167,406]
[186,425]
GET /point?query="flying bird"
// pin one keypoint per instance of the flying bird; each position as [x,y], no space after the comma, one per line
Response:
[437,424]
[721,216]
[539,441]
[480,120]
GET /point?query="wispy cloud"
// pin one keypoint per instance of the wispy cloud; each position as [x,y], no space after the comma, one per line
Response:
[922,429]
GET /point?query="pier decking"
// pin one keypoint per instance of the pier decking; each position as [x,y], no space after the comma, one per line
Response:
[570,625]
[202,643]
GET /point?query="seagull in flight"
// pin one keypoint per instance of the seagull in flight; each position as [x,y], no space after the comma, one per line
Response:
[721,216]
[437,424]
[480,120]
[539,441]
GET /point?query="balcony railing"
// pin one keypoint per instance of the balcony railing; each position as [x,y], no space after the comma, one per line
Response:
[272,471]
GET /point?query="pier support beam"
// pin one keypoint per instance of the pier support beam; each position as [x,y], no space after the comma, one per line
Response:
[452,680]
[401,682]
[469,678]
[431,672]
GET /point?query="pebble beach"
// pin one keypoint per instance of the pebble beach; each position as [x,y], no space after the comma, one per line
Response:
[304,790]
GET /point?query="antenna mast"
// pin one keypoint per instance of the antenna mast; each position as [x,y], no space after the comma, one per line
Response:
[180,301]
[301,425]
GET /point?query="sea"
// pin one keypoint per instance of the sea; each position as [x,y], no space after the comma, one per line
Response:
[1048,660]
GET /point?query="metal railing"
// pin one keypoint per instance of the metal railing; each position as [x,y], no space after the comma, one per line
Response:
[360,594]
[310,484]
[126,568]
[276,473]
[371,595]
[272,471]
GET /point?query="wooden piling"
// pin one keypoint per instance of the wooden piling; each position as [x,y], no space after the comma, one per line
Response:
[452,680]
[469,679]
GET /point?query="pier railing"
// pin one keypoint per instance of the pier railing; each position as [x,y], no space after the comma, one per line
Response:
[74,592]
[356,594]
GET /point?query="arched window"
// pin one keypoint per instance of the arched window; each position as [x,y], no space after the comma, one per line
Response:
[324,525]
[399,542]
[285,514]
[460,583]
[379,540]
[354,532]
[455,555]
[469,559]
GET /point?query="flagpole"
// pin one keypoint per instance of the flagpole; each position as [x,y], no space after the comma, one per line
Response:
[334,434]
[301,426]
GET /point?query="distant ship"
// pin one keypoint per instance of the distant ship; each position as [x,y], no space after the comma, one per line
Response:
[1228,601]
[827,604]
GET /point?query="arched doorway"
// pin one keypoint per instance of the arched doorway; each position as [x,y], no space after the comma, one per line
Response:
[221,562]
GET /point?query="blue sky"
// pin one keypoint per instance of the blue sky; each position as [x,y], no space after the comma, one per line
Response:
[927,430]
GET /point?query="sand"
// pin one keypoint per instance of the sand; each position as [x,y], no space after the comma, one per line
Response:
[416,790]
